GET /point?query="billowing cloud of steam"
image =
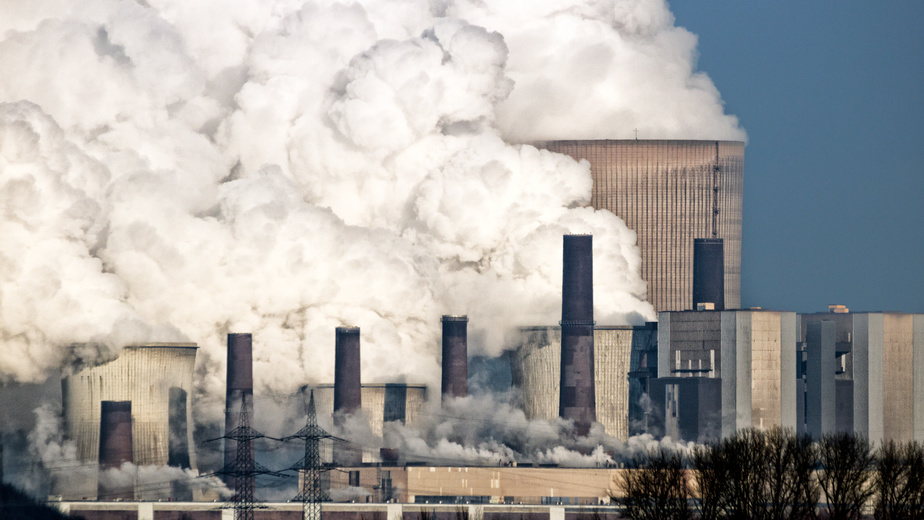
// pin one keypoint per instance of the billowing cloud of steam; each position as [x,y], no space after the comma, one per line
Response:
[63,470]
[176,171]
[492,430]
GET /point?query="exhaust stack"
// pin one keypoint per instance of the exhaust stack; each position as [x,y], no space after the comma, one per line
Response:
[455,356]
[577,397]
[239,391]
[115,448]
[709,273]
[347,390]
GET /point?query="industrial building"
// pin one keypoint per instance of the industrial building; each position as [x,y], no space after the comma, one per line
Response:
[157,381]
[870,379]
[720,371]
[670,192]
[424,484]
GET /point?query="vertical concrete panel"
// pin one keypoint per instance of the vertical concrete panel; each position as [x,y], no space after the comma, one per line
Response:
[788,394]
[820,395]
[861,408]
[664,344]
[876,380]
[898,375]
[612,347]
[729,373]
[744,343]
[918,323]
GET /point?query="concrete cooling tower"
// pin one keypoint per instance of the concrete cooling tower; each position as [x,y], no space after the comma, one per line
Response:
[157,381]
[670,192]
[536,368]
[381,403]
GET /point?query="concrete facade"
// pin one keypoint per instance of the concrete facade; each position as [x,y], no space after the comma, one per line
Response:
[667,191]
[819,378]
[535,369]
[879,373]
[492,484]
[752,353]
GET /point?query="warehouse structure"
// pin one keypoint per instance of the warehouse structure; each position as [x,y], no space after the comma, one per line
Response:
[670,192]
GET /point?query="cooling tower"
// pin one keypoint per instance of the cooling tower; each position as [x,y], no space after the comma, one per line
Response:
[239,388]
[115,447]
[536,371]
[709,273]
[381,403]
[455,356]
[158,380]
[670,192]
[577,400]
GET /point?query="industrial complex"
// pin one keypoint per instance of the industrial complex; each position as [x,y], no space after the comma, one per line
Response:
[704,370]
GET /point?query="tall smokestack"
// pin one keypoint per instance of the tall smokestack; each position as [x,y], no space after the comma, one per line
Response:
[577,398]
[347,390]
[115,447]
[709,272]
[239,390]
[455,356]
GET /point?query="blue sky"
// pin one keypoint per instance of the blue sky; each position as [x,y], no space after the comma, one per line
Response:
[832,97]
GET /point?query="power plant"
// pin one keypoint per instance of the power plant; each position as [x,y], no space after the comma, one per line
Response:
[703,371]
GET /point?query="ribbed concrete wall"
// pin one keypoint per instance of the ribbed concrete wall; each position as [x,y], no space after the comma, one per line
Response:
[143,375]
[377,401]
[663,190]
[536,365]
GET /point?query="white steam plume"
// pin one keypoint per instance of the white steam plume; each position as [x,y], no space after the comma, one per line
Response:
[180,170]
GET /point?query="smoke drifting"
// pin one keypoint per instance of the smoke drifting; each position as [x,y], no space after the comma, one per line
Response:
[174,171]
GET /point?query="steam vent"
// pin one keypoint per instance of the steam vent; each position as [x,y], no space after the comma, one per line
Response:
[577,400]
[670,193]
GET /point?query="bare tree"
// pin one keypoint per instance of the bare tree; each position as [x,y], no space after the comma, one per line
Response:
[747,472]
[655,487]
[708,476]
[846,466]
[899,481]
[806,490]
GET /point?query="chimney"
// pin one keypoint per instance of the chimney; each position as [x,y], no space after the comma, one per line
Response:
[709,273]
[455,356]
[347,390]
[115,448]
[577,398]
[239,390]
